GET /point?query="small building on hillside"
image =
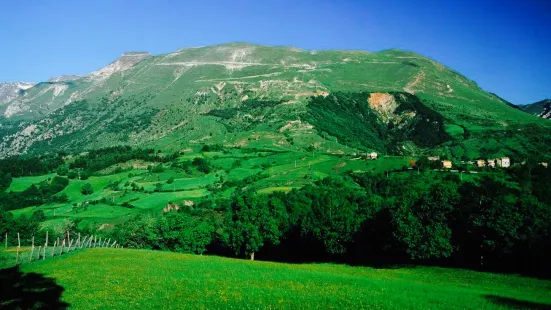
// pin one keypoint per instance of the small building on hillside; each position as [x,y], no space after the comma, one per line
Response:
[492,163]
[446,164]
[480,163]
[503,162]
[171,207]
[544,165]
[373,156]
[433,158]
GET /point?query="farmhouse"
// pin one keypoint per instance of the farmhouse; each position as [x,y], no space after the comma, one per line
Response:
[446,164]
[480,163]
[373,155]
[433,158]
[492,163]
[171,207]
[544,164]
[503,162]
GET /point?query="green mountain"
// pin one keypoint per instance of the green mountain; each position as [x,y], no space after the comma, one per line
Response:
[540,108]
[248,95]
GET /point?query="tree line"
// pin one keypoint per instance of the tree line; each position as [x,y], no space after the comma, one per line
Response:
[494,223]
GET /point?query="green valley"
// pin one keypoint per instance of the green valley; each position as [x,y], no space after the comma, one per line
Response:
[354,179]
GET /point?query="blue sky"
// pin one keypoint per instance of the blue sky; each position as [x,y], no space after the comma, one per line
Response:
[505,46]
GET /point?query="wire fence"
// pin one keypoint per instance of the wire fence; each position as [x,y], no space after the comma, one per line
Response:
[17,254]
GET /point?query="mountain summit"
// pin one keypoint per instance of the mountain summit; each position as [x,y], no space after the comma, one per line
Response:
[250,95]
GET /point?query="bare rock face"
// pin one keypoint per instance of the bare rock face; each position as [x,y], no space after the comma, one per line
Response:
[546,113]
[384,104]
[9,91]
[64,78]
[125,62]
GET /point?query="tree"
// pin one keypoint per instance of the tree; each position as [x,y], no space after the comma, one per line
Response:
[5,181]
[159,187]
[201,164]
[181,232]
[62,170]
[335,216]
[87,189]
[140,232]
[158,169]
[72,174]
[252,222]
[420,220]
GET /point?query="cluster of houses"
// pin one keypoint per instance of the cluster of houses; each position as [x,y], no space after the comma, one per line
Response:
[502,162]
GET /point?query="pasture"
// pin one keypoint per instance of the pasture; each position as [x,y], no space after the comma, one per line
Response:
[130,279]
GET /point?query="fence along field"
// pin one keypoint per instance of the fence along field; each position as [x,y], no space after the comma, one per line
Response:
[17,255]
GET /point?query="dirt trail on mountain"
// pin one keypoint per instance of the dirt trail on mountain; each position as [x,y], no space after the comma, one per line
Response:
[410,86]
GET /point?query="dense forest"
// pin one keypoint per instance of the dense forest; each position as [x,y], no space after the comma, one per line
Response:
[499,224]
[499,221]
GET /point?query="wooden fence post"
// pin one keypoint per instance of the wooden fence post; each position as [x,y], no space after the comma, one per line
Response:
[99,242]
[38,253]
[114,243]
[32,251]
[45,246]
[6,245]
[62,246]
[18,248]
[53,249]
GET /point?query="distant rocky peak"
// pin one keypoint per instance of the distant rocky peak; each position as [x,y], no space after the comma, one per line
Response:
[546,113]
[64,78]
[125,62]
[9,91]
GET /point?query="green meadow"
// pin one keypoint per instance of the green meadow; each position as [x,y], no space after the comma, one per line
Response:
[131,279]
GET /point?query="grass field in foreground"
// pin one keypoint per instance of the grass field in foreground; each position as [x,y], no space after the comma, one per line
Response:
[130,279]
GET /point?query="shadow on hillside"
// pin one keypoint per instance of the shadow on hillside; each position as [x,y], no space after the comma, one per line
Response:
[515,303]
[20,290]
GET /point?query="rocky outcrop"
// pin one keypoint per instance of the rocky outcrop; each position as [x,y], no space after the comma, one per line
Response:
[125,62]
[9,91]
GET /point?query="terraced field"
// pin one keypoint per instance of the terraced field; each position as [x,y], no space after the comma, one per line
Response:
[117,196]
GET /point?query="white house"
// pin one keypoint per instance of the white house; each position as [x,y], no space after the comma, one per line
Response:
[503,162]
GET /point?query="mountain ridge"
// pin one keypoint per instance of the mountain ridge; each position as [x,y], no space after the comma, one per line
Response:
[10,90]
[541,108]
[228,93]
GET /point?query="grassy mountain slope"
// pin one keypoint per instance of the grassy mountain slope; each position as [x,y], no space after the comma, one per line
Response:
[233,93]
[125,279]
[540,108]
